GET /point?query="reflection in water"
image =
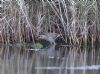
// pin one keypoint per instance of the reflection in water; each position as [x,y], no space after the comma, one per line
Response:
[19,60]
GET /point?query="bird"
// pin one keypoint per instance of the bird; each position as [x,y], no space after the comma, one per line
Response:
[48,44]
[45,45]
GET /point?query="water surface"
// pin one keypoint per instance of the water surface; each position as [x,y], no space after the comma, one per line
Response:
[18,59]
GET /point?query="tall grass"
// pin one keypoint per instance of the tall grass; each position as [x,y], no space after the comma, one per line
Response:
[76,21]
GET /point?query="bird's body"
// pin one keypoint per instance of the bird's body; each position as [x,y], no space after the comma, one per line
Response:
[45,44]
[48,41]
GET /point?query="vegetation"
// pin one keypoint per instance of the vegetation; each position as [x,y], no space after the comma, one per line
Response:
[76,21]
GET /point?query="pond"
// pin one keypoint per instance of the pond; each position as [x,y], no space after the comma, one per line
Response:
[21,59]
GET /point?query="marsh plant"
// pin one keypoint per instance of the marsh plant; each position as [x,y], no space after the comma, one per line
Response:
[76,21]
[27,25]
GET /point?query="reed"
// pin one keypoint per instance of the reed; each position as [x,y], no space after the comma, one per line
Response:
[76,21]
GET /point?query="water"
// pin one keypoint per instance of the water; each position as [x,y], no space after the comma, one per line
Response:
[73,60]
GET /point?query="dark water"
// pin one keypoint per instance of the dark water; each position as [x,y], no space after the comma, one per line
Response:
[18,59]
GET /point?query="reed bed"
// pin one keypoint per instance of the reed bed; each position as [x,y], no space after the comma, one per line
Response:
[76,21]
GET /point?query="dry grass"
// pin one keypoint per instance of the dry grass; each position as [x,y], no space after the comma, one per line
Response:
[77,21]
